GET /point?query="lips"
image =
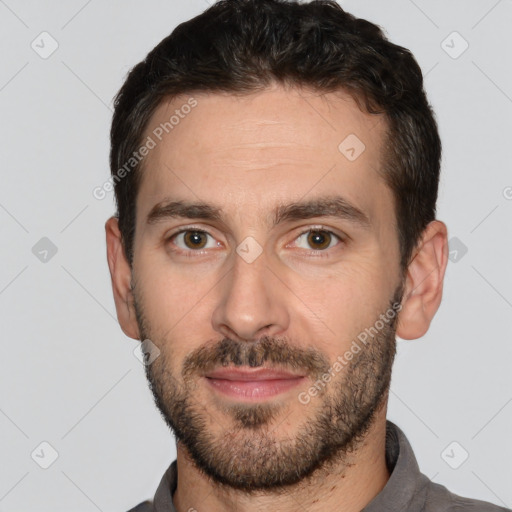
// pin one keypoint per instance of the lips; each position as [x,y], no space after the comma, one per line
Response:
[251,374]
[252,384]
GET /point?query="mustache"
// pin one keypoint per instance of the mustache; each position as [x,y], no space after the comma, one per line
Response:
[276,351]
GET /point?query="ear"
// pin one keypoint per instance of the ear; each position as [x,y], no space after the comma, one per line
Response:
[424,282]
[121,275]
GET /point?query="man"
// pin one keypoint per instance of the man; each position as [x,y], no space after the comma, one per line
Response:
[276,168]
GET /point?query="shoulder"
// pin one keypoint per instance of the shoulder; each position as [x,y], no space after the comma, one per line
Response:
[439,499]
[145,506]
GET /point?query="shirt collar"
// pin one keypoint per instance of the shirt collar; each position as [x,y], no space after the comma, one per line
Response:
[404,491]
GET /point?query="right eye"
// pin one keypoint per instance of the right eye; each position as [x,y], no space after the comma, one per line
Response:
[192,240]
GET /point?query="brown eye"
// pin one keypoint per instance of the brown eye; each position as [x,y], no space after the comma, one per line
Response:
[319,239]
[195,239]
[192,242]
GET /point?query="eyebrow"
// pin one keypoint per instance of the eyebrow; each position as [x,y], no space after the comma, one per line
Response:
[335,206]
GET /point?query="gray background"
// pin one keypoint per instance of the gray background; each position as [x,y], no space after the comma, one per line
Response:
[69,377]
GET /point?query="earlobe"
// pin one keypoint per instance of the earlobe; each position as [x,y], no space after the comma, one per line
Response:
[121,275]
[424,282]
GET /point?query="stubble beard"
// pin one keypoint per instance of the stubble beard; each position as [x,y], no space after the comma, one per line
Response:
[249,455]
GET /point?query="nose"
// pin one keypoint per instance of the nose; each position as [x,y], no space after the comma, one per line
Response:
[252,302]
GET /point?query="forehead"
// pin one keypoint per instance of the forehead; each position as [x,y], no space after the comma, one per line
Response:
[257,150]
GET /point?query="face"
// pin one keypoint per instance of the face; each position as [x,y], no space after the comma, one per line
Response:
[266,272]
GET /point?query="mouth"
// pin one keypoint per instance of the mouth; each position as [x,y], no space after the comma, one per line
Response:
[252,384]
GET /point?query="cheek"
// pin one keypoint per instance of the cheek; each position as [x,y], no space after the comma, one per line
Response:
[171,292]
[344,288]
[176,308]
[346,302]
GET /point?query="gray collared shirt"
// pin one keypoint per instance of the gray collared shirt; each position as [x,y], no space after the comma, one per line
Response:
[407,490]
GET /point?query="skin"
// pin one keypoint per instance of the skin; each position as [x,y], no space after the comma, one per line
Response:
[248,154]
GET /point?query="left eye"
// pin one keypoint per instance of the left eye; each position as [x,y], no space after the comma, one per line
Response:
[317,239]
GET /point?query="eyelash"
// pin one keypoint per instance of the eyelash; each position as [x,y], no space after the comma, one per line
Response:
[191,253]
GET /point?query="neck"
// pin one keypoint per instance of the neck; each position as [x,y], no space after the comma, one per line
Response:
[347,486]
